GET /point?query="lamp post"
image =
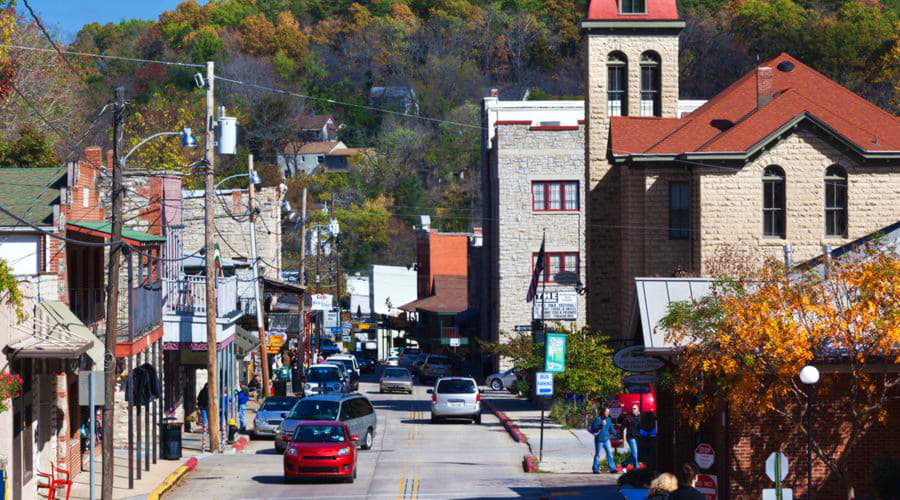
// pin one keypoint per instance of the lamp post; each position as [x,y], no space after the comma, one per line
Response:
[187,141]
[809,375]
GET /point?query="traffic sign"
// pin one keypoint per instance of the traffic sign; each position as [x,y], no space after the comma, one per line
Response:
[346,338]
[707,485]
[454,341]
[786,494]
[522,328]
[704,455]
[777,461]
[615,409]
[555,357]
[544,384]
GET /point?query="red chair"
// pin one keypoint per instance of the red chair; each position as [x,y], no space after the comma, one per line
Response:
[50,484]
[59,482]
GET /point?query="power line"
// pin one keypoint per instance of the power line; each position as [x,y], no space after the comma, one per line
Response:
[49,38]
[348,104]
[102,56]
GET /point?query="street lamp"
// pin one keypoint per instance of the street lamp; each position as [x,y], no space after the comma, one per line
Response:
[809,375]
[187,141]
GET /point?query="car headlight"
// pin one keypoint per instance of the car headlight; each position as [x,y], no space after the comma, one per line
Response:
[293,452]
[343,451]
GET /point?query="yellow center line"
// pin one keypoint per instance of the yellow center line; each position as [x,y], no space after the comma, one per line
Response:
[415,488]
[402,487]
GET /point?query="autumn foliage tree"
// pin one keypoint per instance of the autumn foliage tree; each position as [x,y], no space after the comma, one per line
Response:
[744,345]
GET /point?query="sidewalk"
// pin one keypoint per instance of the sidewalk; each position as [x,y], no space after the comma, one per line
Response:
[566,451]
[190,447]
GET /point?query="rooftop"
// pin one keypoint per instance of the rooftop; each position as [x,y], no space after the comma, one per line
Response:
[31,194]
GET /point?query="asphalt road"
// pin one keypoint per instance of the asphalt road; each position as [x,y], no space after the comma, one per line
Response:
[411,459]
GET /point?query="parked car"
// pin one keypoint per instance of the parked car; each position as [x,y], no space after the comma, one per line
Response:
[366,364]
[351,368]
[270,415]
[436,366]
[396,379]
[321,449]
[416,366]
[321,379]
[408,355]
[644,395]
[346,374]
[455,397]
[502,380]
[392,361]
[353,409]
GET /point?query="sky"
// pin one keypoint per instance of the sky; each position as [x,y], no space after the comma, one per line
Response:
[68,16]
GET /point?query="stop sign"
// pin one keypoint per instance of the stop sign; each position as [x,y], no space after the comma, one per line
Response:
[704,455]
[707,484]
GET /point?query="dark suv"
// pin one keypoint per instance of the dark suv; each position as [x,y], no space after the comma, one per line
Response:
[354,409]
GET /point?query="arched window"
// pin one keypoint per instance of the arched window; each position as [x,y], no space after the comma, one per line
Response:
[651,104]
[773,202]
[617,85]
[836,201]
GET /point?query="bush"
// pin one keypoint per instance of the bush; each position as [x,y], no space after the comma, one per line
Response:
[886,477]
[575,416]
[520,388]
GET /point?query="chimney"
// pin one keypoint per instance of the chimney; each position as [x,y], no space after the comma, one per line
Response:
[109,160]
[764,86]
[93,156]
[495,92]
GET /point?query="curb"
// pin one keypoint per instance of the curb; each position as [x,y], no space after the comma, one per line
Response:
[508,424]
[529,463]
[169,482]
[239,445]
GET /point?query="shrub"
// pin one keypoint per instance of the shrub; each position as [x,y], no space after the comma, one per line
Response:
[520,388]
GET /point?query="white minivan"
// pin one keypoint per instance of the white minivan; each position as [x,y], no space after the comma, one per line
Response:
[455,397]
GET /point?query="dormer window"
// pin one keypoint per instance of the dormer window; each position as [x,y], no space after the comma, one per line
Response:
[633,6]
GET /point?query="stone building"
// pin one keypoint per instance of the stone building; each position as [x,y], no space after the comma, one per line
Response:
[767,162]
[533,169]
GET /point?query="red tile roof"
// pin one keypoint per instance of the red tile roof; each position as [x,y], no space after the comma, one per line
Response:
[731,122]
[450,294]
[657,10]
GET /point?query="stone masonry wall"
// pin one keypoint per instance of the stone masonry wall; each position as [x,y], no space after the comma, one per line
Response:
[602,202]
[526,154]
[731,203]
[236,243]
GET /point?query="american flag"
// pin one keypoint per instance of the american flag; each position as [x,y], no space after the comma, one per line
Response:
[538,271]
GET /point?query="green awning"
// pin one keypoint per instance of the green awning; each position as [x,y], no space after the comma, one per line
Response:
[244,342]
[105,229]
[56,312]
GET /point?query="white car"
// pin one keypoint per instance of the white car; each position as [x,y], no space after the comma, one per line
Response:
[502,380]
[392,361]
[455,397]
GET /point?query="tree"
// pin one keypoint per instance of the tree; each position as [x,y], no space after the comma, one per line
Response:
[29,149]
[167,109]
[744,346]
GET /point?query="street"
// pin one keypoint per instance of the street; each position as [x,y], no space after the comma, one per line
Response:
[411,459]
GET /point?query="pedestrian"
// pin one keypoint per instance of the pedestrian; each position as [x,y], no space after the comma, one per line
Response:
[242,399]
[686,490]
[662,487]
[602,429]
[631,429]
[203,404]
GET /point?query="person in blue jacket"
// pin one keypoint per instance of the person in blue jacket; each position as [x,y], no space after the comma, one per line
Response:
[602,429]
[242,398]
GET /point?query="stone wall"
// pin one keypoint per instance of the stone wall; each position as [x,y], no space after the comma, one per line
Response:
[232,235]
[731,202]
[525,154]
[603,203]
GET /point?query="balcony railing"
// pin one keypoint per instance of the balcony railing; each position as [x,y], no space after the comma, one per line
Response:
[146,307]
[188,296]
[88,304]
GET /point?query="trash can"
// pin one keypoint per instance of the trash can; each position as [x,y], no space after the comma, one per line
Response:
[170,440]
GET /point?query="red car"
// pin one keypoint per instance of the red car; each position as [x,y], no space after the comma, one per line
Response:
[321,449]
[641,394]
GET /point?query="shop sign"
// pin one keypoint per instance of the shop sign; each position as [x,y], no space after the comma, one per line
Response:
[556,305]
[633,359]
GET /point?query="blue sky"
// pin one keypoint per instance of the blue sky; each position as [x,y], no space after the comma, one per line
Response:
[68,16]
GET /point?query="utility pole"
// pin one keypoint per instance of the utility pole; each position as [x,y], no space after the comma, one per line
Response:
[211,309]
[337,258]
[303,241]
[112,300]
[263,355]
[318,287]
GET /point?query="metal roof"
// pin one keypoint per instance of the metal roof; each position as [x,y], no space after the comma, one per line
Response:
[653,298]
[128,234]
[31,193]
[53,332]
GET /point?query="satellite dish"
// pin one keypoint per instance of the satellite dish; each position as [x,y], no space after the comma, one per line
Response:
[566,278]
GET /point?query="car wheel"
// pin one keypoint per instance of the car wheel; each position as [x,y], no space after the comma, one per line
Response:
[477,419]
[368,440]
[497,384]
[380,391]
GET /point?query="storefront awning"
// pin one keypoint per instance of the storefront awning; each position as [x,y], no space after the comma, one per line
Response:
[244,342]
[54,332]
[104,230]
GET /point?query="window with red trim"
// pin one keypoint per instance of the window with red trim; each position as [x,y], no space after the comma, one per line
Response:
[557,262]
[555,196]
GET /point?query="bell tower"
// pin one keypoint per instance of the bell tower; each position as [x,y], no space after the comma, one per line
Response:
[632,70]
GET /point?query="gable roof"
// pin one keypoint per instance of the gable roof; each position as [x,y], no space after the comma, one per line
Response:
[311,148]
[731,124]
[313,122]
[657,10]
[30,193]
[450,294]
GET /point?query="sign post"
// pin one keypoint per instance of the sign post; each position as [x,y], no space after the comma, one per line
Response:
[90,389]
[777,470]
[544,387]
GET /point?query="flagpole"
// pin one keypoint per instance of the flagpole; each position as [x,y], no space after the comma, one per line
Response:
[544,333]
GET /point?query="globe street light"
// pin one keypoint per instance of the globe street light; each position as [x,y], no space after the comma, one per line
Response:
[809,375]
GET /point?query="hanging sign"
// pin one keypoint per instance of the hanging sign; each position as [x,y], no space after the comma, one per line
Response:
[633,359]
[555,356]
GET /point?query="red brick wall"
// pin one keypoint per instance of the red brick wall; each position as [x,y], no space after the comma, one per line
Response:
[440,253]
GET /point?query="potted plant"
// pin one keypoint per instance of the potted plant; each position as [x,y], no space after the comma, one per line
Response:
[10,387]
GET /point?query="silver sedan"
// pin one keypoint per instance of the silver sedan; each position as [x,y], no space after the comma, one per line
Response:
[502,380]
[396,379]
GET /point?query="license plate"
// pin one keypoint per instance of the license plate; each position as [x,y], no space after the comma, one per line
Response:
[456,403]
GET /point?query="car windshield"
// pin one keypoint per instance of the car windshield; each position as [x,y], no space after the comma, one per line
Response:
[396,373]
[456,386]
[322,374]
[279,404]
[319,434]
[438,361]
[308,409]
[348,365]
